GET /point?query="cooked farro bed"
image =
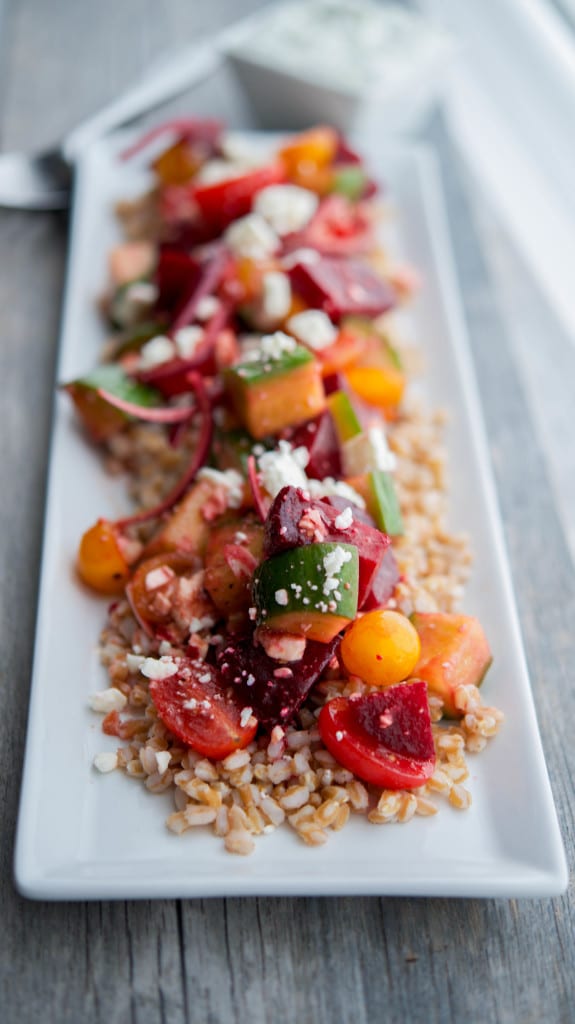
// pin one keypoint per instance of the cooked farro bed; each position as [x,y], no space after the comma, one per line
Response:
[285,644]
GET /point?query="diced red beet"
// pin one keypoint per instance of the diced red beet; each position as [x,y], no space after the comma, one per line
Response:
[290,524]
[334,382]
[398,718]
[274,690]
[342,287]
[359,514]
[175,275]
[320,439]
[384,582]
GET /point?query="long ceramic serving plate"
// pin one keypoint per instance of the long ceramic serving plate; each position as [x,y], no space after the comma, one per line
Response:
[82,835]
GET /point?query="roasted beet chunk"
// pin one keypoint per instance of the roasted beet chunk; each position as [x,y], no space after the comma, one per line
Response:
[275,690]
[320,439]
[294,520]
[383,583]
[342,287]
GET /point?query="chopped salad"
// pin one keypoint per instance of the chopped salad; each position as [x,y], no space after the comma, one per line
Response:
[284,642]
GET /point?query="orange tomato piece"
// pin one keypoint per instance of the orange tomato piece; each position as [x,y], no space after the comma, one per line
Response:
[101,563]
[314,148]
[382,648]
[377,386]
[177,164]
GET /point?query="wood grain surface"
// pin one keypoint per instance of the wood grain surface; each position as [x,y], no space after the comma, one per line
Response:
[248,960]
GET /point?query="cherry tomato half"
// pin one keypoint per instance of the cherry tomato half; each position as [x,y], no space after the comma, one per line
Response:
[196,708]
[224,201]
[383,737]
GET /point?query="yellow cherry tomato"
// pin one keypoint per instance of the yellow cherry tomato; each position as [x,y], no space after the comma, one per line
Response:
[382,648]
[101,563]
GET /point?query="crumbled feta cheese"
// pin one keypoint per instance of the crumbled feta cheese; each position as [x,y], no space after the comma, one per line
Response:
[111,699]
[205,678]
[163,758]
[251,236]
[282,467]
[245,716]
[235,146]
[197,625]
[188,340]
[156,351]
[313,328]
[300,256]
[250,680]
[335,560]
[324,488]
[339,735]
[165,647]
[366,452]
[206,307]
[133,661]
[106,762]
[158,668]
[344,520]
[287,208]
[274,346]
[276,295]
[214,171]
[156,578]
[281,597]
[229,479]
[134,302]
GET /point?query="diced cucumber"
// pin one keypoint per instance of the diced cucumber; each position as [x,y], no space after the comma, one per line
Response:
[387,512]
[343,415]
[311,591]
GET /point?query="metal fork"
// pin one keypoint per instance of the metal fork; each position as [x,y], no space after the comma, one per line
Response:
[43,181]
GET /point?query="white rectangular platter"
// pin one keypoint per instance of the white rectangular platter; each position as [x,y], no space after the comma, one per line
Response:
[82,835]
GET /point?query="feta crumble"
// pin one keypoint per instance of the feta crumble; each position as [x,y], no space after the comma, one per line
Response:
[274,346]
[214,171]
[366,452]
[281,597]
[133,661]
[156,578]
[333,563]
[229,479]
[282,467]
[276,295]
[158,668]
[106,762]
[245,716]
[108,700]
[251,236]
[344,520]
[163,758]
[286,208]
[188,340]
[313,328]
[206,307]
[156,351]
[324,488]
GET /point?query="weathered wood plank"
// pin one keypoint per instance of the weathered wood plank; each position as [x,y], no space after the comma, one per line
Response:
[315,960]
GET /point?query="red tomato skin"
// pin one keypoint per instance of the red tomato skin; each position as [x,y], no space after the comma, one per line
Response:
[212,727]
[224,201]
[361,754]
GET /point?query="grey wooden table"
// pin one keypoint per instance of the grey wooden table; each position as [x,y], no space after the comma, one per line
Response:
[320,960]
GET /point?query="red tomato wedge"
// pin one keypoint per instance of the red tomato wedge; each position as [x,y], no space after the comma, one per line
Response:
[339,228]
[224,201]
[384,738]
[195,707]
